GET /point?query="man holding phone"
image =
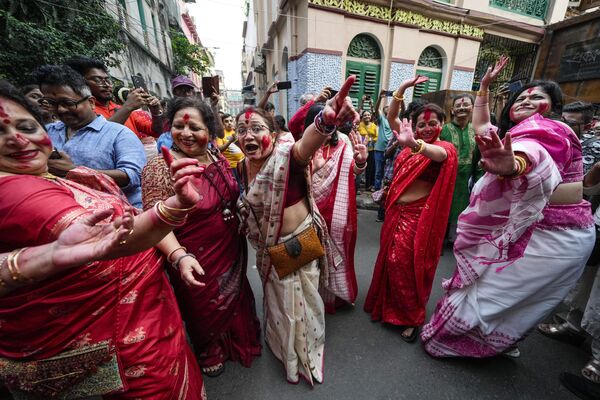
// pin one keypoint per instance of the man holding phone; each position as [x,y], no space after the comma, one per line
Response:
[129,114]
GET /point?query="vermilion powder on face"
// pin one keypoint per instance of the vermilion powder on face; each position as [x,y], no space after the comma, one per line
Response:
[186,118]
[266,142]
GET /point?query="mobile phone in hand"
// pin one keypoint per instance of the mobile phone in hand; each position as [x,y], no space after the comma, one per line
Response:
[332,93]
[55,155]
[285,85]
[389,93]
[139,82]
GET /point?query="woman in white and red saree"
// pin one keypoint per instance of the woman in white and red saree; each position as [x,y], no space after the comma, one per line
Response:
[279,205]
[525,237]
[335,166]
[109,327]
[417,209]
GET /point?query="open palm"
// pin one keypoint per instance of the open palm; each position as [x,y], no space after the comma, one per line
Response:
[496,157]
[360,150]
[405,135]
[88,240]
[491,74]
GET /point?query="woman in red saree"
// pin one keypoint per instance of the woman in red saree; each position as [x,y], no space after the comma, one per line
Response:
[112,327]
[335,166]
[417,209]
[211,286]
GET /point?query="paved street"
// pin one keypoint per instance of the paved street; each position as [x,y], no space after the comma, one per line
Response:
[366,360]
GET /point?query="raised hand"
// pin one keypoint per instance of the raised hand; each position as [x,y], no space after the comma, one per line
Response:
[324,95]
[88,240]
[187,266]
[496,157]
[405,135]
[360,150]
[273,88]
[185,174]
[339,109]
[492,73]
[412,82]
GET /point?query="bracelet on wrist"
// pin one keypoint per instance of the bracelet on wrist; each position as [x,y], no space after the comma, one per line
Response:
[13,267]
[362,165]
[178,261]
[419,148]
[172,252]
[482,93]
[398,96]
[520,168]
[163,215]
[325,130]
[2,283]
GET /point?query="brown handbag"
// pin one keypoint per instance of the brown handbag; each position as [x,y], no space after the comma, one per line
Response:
[294,253]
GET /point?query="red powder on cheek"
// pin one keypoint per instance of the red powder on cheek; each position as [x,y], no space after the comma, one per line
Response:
[45,141]
[202,140]
[543,108]
[186,118]
[427,115]
[6,121]
[266,142]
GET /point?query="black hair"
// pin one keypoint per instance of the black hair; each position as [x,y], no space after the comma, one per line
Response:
[9,92]
[83,64]
[206,112]
[263,114]
[269,107]
[280,121]
[551,88]
[463,96]
[587,109]
[412,106]
[28,88]
[225,116]
[310,118]
[62,75]
[441,116]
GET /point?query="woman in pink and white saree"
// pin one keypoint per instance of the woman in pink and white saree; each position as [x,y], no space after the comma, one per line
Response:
[280,208]
[525,237]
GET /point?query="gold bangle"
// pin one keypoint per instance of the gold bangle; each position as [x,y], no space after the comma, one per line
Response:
[13,266]
[173,209]
[482,93]
[421,147]
[171,253]
[398,96]
[2,283]
[164,213]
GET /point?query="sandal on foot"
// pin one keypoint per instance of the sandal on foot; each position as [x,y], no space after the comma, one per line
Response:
[581,387]
[512,352]
[212,371]
[591,371]
[562,332]
[412,337]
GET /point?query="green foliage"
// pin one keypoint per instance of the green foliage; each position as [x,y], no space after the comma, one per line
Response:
[37,32]
[188,57]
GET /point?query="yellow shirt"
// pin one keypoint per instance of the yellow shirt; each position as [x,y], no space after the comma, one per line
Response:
[369,132]
[233,154]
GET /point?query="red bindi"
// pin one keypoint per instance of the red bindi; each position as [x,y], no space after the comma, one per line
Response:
[530,90]
[186,117]
[427,115]
[266,142]
[248,114]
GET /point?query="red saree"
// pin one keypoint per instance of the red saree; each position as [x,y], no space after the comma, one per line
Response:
[411,240]
[221,316]
[335,194]
[127,301]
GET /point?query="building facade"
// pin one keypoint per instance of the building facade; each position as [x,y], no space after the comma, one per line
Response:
[148,52]
[318,43]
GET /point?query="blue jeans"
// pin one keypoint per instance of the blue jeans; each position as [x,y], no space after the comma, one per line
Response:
[379,164]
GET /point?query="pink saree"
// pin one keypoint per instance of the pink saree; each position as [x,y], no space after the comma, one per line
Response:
[517,255]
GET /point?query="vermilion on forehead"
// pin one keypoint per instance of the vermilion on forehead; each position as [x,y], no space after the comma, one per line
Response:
[254,118]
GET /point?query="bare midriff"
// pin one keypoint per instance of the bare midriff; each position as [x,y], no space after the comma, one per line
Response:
[293,216]
[415,191]
[567,193]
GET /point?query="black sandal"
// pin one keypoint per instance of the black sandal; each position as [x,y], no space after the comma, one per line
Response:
[215,372]
[562,332]
[580,386]
[412,337]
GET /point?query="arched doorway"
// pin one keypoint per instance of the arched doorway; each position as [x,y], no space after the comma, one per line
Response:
[430,64]
[363,59]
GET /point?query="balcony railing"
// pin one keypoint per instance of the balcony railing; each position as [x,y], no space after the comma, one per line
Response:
[531,8]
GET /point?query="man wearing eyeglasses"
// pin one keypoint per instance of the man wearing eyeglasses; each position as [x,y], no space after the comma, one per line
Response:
[83,138]
[97,78]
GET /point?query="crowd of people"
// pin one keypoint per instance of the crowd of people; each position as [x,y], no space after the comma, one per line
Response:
[123,248]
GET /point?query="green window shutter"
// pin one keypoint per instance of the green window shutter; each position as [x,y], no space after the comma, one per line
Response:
[432,85]
[367,80]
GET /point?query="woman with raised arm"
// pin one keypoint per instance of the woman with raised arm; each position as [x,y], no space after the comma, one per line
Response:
[524,239]
[293,249]
[416,214]
[207,255]
[108,327]
[334,168]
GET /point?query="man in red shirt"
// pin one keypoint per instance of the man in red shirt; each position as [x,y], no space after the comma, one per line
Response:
[129,114]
